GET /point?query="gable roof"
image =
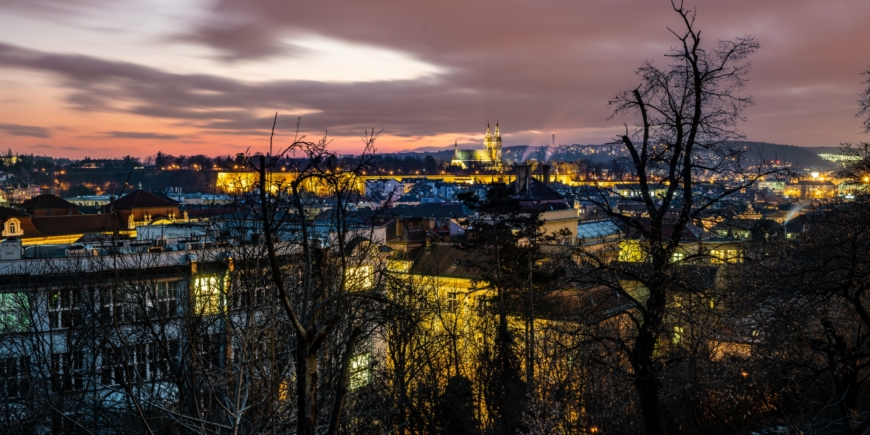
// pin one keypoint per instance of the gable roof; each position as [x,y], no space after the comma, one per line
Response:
[47,200]
[141,199]
[445,260]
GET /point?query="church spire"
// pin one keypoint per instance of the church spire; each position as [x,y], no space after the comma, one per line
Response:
[488,135]
[497,133]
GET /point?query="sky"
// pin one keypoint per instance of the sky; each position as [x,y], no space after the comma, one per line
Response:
[109,78]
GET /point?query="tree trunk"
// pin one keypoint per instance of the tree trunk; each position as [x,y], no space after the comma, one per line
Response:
[341,390]
[646,382]
[306,387]
[647,387]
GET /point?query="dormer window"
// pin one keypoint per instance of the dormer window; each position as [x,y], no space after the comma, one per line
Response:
[12,228]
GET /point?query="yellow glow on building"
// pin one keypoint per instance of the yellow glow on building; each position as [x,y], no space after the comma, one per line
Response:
[359,278]
[631,251]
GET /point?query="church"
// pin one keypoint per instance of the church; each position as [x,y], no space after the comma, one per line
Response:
[489,158]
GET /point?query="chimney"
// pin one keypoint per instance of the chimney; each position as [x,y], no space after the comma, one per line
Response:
[523,175]
[545,171]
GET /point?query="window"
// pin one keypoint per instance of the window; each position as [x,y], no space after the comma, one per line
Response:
[359,372]
[734,256]
[143,361]
[677,257]
[248,294]
[162,302]
[14,312]
[66,371]
[63,309]
[484,305]
[13,228]
[719,256]
[678,334]
[210,351]
[208,295]
[452,302]
[125,306]
[14,376]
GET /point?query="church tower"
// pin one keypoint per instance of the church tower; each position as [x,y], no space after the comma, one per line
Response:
[496,146]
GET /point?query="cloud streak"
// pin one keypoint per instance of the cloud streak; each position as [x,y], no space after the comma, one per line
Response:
[140,135]
[25,130]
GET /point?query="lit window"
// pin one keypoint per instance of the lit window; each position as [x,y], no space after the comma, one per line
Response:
[14,311]
[359,372]
[678,334]
[677,257]
[734,256]
[717,256]
[208,295]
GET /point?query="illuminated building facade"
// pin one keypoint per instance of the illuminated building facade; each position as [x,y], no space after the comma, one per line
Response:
[489,158]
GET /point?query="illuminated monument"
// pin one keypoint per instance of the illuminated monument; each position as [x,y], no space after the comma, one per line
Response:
[488,158]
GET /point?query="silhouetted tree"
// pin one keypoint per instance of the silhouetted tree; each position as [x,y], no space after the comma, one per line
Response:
[686,113]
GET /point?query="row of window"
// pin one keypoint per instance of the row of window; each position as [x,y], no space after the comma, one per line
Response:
[137,362]
[132,305]
[138,302]
[632,252]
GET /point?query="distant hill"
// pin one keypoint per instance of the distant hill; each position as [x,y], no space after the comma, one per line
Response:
[798,156]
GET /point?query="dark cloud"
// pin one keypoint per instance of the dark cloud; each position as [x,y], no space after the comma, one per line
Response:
[140,135]
[240,42]
[25,130]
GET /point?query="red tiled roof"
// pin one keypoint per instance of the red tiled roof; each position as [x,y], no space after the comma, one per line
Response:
[77,224]
[6,212]
[26,225]
[46,201]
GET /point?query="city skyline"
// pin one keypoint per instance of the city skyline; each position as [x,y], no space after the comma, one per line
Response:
[107,79]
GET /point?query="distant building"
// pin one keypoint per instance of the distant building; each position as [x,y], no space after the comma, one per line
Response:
[140,207]
[490,158]
[811,189]
[21,194]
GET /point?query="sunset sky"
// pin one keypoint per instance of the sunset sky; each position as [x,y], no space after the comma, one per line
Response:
[104,78]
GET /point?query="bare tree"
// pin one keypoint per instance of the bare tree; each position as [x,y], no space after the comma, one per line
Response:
[686,115]
[328,276]
[864,103]
[812,312]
